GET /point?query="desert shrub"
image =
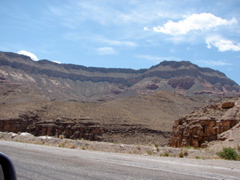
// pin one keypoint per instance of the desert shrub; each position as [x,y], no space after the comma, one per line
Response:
[157,148]
[229,154]
[185,152]
[197,157]
[166,154]
[149,152]
[181,155]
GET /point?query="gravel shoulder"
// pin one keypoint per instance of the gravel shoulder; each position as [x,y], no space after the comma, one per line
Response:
[46,162]
[148,150]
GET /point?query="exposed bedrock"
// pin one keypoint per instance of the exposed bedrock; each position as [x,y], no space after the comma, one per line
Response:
[197,132]
[89,131]
[198,128]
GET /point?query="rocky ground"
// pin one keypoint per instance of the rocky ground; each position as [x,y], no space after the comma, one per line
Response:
[230,138]
[150,149]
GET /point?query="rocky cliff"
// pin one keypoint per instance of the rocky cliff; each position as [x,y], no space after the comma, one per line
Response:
[201,127]
[73,130]
[79,83]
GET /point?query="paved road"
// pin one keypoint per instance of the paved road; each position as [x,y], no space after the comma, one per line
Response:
[38,162]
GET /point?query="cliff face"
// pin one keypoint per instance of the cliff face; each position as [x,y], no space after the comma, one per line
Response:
[73,82]
[89,131]
[199,128]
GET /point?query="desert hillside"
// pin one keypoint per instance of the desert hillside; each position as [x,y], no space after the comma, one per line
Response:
[79,83]
[139,119]
[101,104]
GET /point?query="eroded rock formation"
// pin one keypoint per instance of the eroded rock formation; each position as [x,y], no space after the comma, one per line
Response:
[198,128]
[86,130]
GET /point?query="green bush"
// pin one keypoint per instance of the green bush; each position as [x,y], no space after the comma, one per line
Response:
[181,155]
[229,154]
[166,154]
[149,152]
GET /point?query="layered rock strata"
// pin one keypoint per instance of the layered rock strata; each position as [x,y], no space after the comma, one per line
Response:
[72,130]
[79,83]
[198,128]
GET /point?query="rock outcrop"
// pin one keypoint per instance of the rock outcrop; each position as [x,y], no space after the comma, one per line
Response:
[72,130]
[199,128]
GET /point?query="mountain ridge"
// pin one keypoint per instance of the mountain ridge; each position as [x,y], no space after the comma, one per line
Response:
[69,81]
[103,104]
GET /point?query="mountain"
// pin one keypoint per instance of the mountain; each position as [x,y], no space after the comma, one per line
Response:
[103,104]
[54,81]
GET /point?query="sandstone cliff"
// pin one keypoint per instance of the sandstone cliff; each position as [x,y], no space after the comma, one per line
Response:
[201,127]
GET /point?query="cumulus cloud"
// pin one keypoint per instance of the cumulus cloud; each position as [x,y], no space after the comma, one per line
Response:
[27,53]
[201,21]
[106,51]
[222,44]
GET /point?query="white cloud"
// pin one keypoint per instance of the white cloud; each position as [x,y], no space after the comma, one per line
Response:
[222,44]
[27,53]
[58,62]
[146,29]
[201,21]
[157,59]
[106,51]
[215,63]
[117,43]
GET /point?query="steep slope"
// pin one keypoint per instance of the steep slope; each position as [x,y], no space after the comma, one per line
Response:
[207,124]
[186,78]
[79,83]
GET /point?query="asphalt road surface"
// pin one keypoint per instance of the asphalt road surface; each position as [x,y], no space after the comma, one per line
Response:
[37,162]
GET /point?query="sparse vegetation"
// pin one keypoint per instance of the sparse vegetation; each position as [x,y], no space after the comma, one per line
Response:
[149,152]
[166,154]
[181,155]
[185,152]
[157,148]
[229,154]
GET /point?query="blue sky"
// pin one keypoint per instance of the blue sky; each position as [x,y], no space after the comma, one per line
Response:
[125,33]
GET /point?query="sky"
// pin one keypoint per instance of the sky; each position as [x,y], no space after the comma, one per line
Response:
[132,34]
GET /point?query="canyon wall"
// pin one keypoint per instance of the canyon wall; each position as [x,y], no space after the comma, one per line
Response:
[199,128]
[72,130]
